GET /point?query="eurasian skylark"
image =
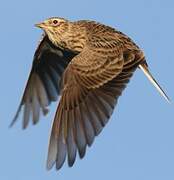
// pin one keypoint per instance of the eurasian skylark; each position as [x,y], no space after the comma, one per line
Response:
[88,65]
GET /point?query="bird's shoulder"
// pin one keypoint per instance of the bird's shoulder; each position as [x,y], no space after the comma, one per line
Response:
[94,28]
[99,33]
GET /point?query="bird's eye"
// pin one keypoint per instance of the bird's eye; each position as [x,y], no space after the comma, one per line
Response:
[55,22]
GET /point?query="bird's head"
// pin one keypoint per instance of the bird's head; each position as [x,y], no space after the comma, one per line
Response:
[55,28]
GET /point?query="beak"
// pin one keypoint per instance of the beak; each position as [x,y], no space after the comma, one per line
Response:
[40,25]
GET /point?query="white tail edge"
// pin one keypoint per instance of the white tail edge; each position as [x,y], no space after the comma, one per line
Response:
[144,68]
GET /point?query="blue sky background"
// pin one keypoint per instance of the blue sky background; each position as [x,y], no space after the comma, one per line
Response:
[138,142]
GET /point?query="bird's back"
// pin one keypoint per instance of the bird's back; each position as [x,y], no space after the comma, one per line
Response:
[102,31]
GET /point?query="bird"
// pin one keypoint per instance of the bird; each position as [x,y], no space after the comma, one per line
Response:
[85,66]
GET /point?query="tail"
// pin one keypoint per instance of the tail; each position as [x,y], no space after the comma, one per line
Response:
[144,68]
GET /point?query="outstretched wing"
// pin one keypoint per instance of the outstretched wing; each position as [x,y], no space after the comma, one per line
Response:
[93,81]
[43,85]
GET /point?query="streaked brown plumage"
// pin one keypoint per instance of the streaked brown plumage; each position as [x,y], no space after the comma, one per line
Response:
[88,64]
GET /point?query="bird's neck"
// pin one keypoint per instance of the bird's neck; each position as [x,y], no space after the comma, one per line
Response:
[74,38]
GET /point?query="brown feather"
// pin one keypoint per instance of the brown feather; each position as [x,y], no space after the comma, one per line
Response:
[89,65]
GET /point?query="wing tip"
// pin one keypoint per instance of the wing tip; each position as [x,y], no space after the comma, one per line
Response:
[12,123]
[49,165]
[16,116]
[71,163]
